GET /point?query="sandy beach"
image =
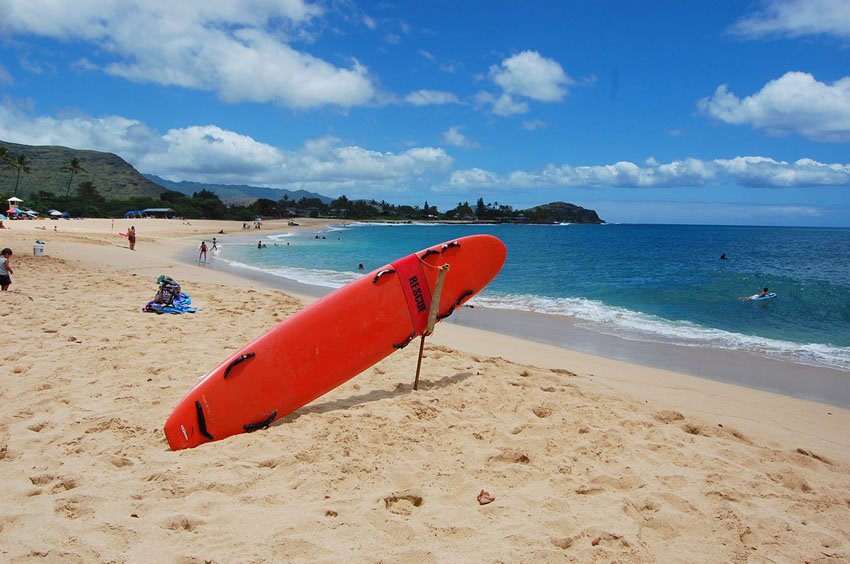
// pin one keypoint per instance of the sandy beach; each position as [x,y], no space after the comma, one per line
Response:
[587,458]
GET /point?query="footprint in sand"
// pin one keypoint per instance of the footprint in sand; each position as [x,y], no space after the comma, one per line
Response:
[512,455]
[72,508]
[402,504]
[183,524]
[542,411]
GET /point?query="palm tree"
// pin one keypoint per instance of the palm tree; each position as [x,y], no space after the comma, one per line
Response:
[4,157]
[22,164]
[74,168]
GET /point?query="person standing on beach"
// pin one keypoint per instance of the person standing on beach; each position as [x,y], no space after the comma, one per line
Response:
[202,252]
[131,236]
[5,269]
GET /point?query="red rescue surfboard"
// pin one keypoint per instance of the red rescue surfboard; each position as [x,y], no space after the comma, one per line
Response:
[331,341]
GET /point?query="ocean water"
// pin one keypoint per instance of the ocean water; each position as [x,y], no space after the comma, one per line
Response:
[660,283]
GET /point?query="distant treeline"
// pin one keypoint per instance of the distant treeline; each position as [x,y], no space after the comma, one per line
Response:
[204,204]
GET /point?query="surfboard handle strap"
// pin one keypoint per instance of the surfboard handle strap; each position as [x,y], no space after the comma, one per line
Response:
[456,304]
[427,253]
[202,421]
[442,250]
[236,361]
[381,273]
[405,343]
[264,424]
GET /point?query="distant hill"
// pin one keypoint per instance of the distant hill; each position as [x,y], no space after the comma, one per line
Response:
[561,212]
[236,193]
[112,176]
[115,178]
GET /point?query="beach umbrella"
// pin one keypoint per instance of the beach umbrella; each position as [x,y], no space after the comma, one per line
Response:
[55,212]
[66,214]
[2,217]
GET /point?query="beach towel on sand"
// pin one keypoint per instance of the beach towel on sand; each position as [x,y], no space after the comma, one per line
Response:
[181,304]
[169,298]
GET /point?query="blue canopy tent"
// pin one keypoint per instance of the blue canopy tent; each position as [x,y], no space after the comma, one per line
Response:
[166,213]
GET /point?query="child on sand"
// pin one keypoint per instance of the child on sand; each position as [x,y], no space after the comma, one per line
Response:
[5,269]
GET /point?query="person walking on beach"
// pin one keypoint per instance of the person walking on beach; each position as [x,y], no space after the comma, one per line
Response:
[214,246]
[202,252]
[131,236]
[5,269]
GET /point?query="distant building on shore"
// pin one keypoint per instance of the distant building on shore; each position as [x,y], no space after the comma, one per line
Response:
[164,213]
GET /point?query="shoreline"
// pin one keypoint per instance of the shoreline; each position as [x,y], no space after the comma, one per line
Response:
[802,381]
[588,458]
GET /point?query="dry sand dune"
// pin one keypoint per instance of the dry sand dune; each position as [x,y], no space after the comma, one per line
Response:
[580,470]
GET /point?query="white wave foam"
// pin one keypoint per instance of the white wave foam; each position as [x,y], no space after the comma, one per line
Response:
[398,224]
[313,277]
[632,325]
[283,235]
[610,320]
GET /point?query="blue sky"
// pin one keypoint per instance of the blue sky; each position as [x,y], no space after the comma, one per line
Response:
[726,112]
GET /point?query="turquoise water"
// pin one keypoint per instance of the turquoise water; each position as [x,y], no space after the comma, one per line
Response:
[662,283]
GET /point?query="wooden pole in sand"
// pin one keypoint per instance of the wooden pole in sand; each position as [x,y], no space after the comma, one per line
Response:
[432,318]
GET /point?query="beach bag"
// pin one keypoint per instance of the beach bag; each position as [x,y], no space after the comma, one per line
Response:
[169,289]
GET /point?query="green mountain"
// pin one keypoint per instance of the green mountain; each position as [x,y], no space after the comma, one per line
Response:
[236,193]
[112,176]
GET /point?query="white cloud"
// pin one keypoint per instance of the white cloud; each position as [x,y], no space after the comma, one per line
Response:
[239,50]
[795,18]
[211,154]
[533,76]
[533,124]
[431,97]
[744,171]
[795,102]
[525,75]
[472,178]
[454,137]
[763,171]
[370,22]
[208,153]
[127,137]
[504,105]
